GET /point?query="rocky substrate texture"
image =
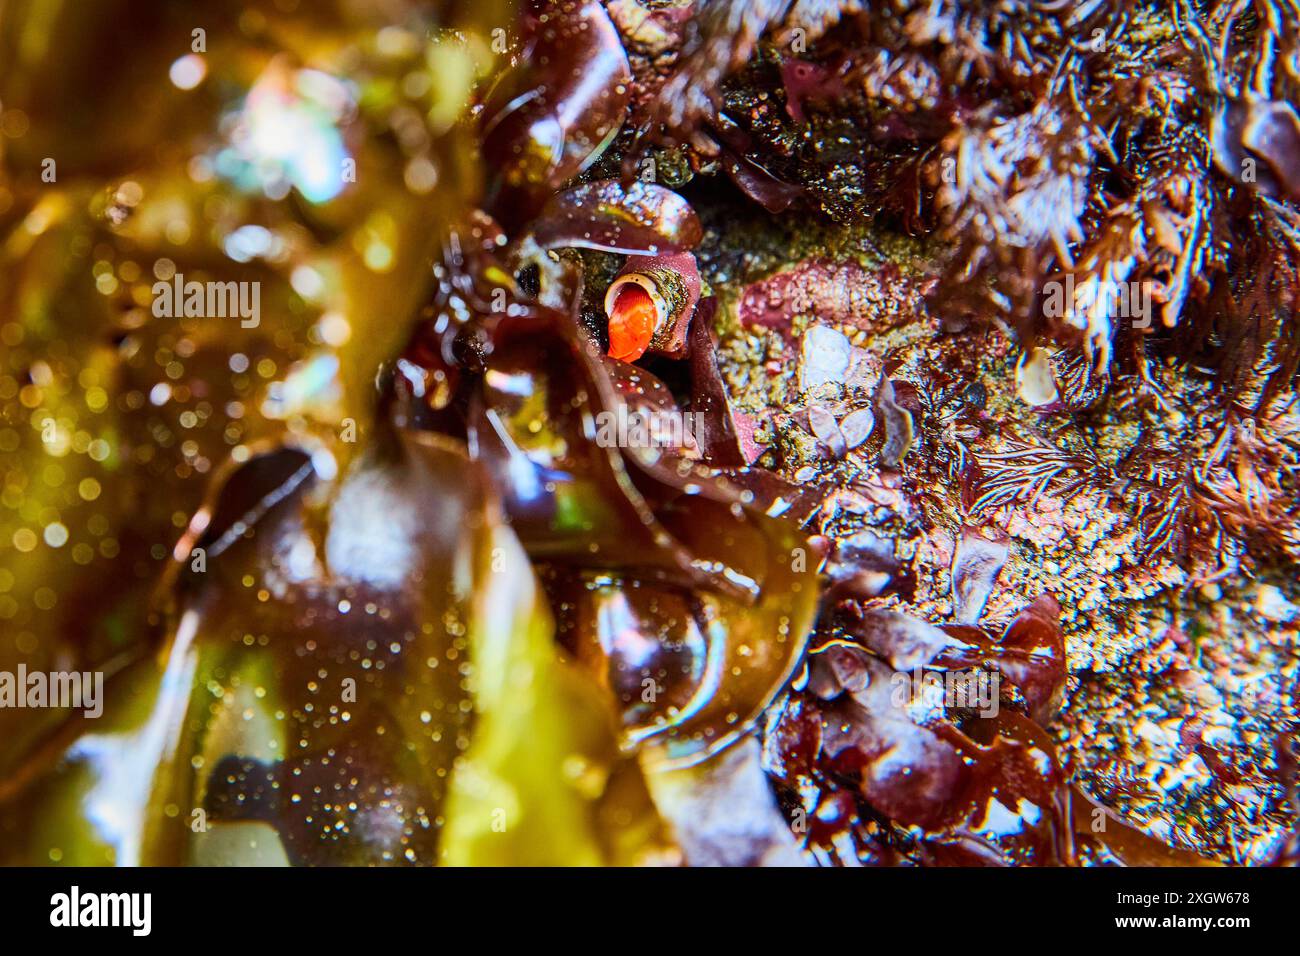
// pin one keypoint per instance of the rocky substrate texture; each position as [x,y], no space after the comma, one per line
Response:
[1183,675]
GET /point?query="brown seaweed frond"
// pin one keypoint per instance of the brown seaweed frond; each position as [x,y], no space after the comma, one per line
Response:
[1247,331]
[1004,41]
[1245,55]
[723,38]
[1279,284]
[1013,203]
[1107,180]
[814,18]
[1245,51]
[1148,257]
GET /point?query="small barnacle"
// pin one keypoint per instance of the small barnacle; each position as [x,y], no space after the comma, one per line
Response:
[899,428]
[1035,383]
[823,425]
[856,427]
[976,564]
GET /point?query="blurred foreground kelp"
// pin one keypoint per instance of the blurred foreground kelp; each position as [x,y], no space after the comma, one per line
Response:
[322,642]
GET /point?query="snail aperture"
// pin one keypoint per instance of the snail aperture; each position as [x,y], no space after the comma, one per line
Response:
[650,303]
